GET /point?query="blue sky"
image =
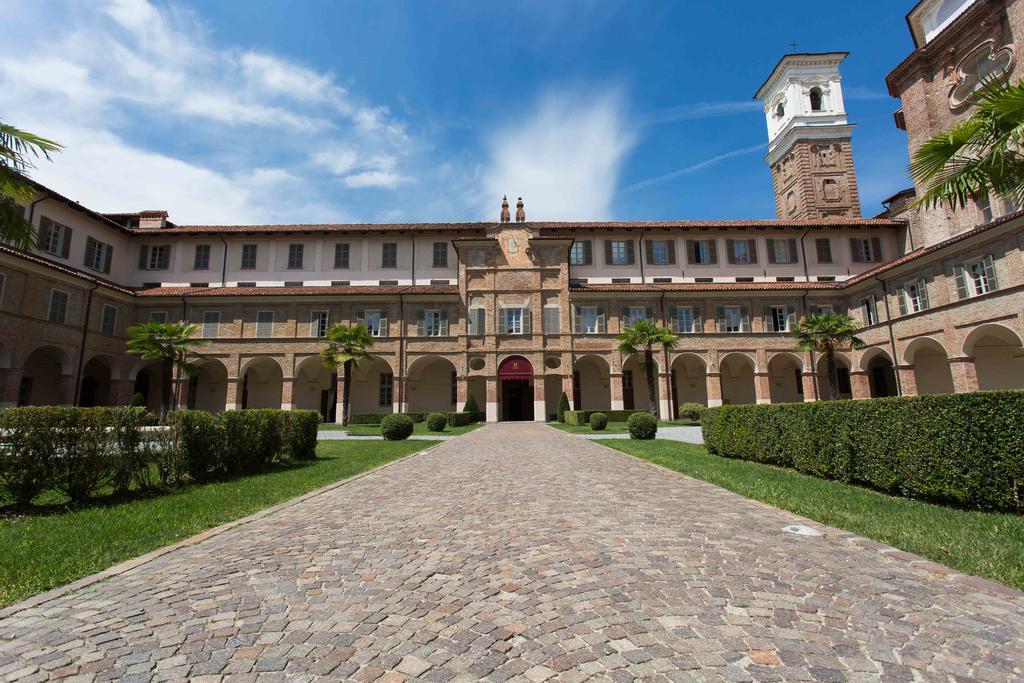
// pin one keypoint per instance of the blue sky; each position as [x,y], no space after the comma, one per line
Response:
[319,111]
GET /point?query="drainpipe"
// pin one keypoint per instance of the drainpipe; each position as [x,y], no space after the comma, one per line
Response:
[668,366]
[76,399]
[892,336]
[224,263]
[807,278]
[814,361]
[413,236]
[402,398]
[642,279]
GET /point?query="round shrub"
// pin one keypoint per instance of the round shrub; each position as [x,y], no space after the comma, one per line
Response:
[691,411]
[396,427]
[642,426]
[436,422]
[598,421]
[138,401]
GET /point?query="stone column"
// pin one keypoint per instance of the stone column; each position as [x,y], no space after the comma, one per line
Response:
[965,374]
[908,381]
[287,388]
[762,387]
[492,399]
[665,396]
[714,384]
[10,383]
[539,404]
[810,384]
[233,394]
[859,384]
[615,387]
[121,391]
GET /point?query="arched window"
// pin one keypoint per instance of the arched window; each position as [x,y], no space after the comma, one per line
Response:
[780,110]
[815,99]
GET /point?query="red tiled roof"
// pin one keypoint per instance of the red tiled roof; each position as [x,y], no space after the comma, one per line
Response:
[42,261]
[315,227]
[292,291]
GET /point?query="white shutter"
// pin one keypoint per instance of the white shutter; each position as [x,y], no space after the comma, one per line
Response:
[502,322]
[527,321]
[990,273]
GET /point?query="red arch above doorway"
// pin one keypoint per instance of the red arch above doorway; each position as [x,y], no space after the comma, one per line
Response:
[515,367]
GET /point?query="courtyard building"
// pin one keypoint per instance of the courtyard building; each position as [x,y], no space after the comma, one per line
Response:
[515,312]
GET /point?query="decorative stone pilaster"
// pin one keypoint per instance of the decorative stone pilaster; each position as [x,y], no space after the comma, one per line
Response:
[287,387]
[762,387]
[233,394]
[965,374]
[615,387]
[714,386]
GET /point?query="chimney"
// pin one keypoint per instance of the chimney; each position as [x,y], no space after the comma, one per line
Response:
[152,219]
[505,217]
[520,211]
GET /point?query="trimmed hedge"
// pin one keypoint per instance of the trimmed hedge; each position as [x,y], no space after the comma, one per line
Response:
[396,427]
[642,425]
[377,418]
[436,422]
[963,449]
[598,422]
[300,433]
[691,411]
[462,419]
[563,407]
[582,417]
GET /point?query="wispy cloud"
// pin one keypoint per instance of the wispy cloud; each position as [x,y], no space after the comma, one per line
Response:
[859,92]
[563,158]
[699,110]
[693,168]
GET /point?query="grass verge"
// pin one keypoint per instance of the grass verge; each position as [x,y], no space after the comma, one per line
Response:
[42,551]
[419,429]
[617,427]
[981,543]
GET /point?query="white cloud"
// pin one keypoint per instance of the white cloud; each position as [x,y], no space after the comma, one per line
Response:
[337,161]
[693,168]
[383,179]
[700,110]
[297,82]
[564,159]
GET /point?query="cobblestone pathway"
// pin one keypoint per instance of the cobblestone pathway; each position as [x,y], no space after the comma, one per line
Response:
[520,552]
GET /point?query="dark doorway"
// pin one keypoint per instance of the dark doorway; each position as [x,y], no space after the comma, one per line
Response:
[882,378]
[516,400]
[87,395]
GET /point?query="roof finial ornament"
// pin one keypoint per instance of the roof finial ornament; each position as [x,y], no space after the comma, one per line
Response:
[505,216]
[520,211]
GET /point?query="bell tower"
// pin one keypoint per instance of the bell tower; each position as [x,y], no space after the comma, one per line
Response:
[809,139]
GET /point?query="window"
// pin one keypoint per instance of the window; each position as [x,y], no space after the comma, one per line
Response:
[477,320]
[154,257]
[318,324]
[914,297]
[384,389]
[780,318]
[158,316]
[782,251]
[211,324]
[618,252]
[634,314]
[389,255]
[245,284]
[661,252]
[552,319]
[976,277]
[815,96]
[780,110]
[590,320]
[741,251]
[733,319]
[823,247]
[293,283]
[864,250]
[581,253]
[97,255]
[248,257]
[701,252]
[108,319]
[58,312]
[54,237]
[515,320]
[433,323]
[264,323]
[295,256]
[627,382]
[376,323]
[686,321]
[201,259]
[870,308]
[440,254]
[341,255]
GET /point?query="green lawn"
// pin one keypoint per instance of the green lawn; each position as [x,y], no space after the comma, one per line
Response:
[980,543]
[53,547]
[616,427]
[419,429]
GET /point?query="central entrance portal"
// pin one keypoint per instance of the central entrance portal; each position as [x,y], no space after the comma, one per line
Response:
[516,377]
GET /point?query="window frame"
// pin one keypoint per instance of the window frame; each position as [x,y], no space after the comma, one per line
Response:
[319,323]
[726,327]
[433,322]
[342,249]
[256,332]
[385,256]
[971,278]
[207,323]
[690,327]
[441,262]
[111,329]
[818,243]
[55,293]
[385,389]
[197,263]
[662,259]
[376,330]
[94,248]
[514,320]
[296,256]
[249,250]
[584,328]
[547,318]
[618,253]
[585,257]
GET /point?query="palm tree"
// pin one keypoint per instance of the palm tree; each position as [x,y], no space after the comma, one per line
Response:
[826,333]
[17,149]
[978,157]
[170,343]
[346,346]
[645,335]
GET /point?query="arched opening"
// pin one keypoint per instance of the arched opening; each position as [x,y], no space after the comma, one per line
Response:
[881,374]
[515,376]
[816,99]
[208,387]
[844,389]
[998,357]
[785,378]
[689,380]
[432,385]
[591,384]
[373,387]
[262,381]
[931,366]
[737,379]
[46,378]
[780,110]
[314,388]
[636,395]
[94,389]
